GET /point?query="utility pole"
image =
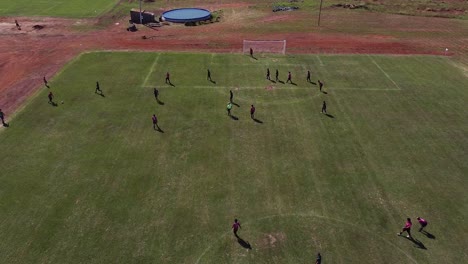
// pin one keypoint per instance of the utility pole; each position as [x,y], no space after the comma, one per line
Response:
[141,17]
[320,12]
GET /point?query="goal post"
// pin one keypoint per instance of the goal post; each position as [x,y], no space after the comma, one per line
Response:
[264,46]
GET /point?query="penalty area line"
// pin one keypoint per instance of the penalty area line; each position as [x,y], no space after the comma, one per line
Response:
[150,71]
[384,72]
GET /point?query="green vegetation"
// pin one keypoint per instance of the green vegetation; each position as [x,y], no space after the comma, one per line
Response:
[59,8]
[90,181]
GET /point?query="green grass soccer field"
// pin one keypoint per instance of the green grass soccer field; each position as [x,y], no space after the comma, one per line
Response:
[90,181]
[51,8]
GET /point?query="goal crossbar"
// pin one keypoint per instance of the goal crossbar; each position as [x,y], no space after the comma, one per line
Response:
[264,46]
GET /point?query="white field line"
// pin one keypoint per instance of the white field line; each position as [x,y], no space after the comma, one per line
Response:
[320,60]
[384,72]
[150,71]
[282,87]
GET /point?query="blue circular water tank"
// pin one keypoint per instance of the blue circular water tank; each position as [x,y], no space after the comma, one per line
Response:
[183,15]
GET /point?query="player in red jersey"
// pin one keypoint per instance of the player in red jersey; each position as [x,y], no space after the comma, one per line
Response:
[407,228]
[422,222]
[236,226]
[252,111]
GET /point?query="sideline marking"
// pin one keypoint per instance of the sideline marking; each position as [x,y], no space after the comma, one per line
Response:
[384,72]
[311,215]
[320,60]
[150,71]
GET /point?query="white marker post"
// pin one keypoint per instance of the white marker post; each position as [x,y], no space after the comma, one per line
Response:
[446,50]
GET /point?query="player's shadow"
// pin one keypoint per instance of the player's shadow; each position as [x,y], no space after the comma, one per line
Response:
[324,92]
[428,235]
[157,128]
[417,243]
[313,83]
[253,57]
[293,83]
[101,94]
[213,82]
[6,124]
[330,116]
[234,117]
[160,102]
[53,103]
[280,81]
[235,104]
[257,120]
[272,81]
[243,243]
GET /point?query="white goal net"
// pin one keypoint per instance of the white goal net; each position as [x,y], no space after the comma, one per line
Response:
[264,46]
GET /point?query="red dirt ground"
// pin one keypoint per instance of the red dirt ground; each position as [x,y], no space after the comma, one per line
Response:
[28,55]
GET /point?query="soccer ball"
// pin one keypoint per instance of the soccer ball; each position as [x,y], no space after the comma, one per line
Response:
[62,102]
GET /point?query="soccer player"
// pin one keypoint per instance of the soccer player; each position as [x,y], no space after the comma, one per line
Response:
[51,97]
[251,52]
[320,84]
[289,77]
[155,122]
[308,76]
[423,223]
[2,117]
[277,75]
[252,111]
[98,89]
[236,226]
[319,259]
[45,82]
[228,108]
[168,79]
[17,25]
[208,76]
[231,95]
[324,107]
[407,228]
[156,94]
[268,74]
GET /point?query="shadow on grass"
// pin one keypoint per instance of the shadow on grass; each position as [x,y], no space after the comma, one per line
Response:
[160,102]
[235,104]
[234,117]
[330,116]
[417,243]
[428,235]
[243,243]
[258,120]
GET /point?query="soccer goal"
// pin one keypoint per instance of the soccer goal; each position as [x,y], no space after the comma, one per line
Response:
[264,46]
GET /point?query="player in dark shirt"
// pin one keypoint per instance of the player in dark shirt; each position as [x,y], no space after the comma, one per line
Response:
[156,94]
[320,84]
[252,111]
[324,107]
[2,117]
[168,79]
